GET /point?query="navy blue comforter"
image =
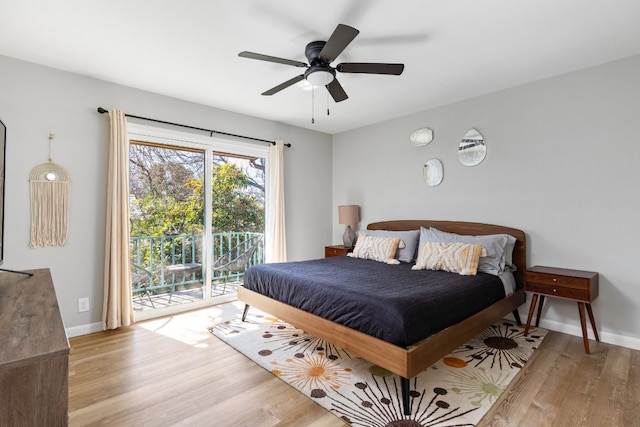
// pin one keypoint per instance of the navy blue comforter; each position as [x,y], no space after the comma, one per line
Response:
[390,302]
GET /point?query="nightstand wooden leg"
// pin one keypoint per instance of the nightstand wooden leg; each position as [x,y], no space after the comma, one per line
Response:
[583,323]
[539,314]
[534,300]
[593,322]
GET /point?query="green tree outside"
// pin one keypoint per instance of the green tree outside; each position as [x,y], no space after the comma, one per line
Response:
[168,195]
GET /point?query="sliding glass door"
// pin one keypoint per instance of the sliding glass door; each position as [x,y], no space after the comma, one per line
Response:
[197,219]
[237,218]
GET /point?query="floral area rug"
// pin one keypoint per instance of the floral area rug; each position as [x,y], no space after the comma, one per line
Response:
[456,391]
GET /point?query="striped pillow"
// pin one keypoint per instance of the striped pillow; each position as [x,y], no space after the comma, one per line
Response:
[456,257]
[382,249]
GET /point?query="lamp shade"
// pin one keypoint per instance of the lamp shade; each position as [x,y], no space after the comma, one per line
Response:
[348,214]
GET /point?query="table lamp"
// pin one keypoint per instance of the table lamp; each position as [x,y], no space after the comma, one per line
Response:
[349,215]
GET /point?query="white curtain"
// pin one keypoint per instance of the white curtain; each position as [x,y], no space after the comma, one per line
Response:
[276,239]
[117,307]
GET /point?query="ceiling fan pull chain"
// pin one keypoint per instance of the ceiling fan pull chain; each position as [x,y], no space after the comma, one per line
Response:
[313,92]
[327,103]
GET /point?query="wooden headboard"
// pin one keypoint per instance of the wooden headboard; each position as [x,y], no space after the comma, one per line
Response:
[469,228]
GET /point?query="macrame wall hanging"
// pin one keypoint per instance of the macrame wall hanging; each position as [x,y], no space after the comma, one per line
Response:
[49,184]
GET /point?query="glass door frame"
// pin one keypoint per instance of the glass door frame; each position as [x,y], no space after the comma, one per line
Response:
[177,139]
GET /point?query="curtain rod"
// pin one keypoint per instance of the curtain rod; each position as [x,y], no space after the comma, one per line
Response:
[211,131]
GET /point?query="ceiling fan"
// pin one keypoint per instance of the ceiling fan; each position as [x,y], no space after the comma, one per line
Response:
[320,54]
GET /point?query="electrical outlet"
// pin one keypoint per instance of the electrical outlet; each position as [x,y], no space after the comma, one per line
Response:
[83,305]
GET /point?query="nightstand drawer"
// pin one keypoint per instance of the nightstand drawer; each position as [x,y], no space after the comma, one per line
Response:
[557,280]
[336,250]
[558,291]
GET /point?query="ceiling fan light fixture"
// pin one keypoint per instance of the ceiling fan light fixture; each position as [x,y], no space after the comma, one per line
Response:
[319,77]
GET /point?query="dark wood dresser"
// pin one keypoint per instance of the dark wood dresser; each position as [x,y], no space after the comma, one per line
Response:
[34,352]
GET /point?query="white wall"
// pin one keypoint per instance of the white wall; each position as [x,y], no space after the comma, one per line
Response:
[36,101]
[562,165]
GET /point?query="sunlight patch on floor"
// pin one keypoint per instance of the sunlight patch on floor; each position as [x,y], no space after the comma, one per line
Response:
[192,327]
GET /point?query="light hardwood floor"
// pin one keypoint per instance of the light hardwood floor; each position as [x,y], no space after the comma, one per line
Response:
[172,372]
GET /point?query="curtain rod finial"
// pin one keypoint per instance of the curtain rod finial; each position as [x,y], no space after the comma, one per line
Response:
[102,110]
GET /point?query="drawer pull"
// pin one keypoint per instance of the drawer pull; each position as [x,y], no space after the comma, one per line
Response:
[555,280]
[555,290]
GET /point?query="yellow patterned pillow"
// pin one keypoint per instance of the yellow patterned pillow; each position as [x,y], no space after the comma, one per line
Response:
[382,249]
[456,257]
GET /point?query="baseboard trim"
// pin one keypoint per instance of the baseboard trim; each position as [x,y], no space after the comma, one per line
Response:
[576,330]
[84,329]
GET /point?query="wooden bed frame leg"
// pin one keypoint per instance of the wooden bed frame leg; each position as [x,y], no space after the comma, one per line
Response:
[245,311]
[404,385]
[517,316]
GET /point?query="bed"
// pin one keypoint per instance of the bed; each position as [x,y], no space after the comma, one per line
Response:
[405,356]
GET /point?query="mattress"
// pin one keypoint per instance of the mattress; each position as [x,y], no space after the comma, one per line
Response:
[389,302]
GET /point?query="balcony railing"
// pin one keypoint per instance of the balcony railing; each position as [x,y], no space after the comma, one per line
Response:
[164,264]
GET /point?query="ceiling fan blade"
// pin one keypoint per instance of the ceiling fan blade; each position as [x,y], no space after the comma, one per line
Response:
[261,57]
[284,85]
[337,92]
[341,37]
[370,68]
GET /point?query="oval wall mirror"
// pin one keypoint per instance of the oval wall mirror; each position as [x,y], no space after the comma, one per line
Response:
[433,172]
[421,137]
[472,148]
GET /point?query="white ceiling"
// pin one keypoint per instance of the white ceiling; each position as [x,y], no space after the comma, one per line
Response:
[452,49]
